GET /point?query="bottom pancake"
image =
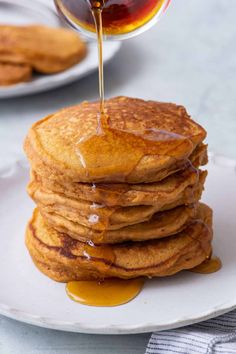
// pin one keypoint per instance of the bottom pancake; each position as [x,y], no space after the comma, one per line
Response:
[65,259]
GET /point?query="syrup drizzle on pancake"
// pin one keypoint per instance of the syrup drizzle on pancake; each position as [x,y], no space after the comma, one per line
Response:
[126,147]
[111,292]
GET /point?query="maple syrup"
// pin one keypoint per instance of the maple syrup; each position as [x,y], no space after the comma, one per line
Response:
[126,147]
[100,216]
[120,17]
[210,265]
[102,255]
[95,151]
[97,15]
[110,292]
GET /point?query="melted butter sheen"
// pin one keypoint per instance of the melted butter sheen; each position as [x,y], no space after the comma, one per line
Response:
[111,292]
[208,266]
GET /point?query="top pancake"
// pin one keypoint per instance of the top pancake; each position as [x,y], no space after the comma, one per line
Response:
[161,135]
[47,50]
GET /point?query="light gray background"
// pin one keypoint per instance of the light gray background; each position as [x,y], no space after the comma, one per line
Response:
[188,58]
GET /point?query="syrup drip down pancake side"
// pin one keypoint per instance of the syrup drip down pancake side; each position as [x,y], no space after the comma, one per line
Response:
[99,217]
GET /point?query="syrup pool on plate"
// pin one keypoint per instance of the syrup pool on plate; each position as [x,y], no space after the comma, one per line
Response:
[111,292]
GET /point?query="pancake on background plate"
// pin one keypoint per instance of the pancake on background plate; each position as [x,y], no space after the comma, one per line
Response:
[11,73]
[24,49]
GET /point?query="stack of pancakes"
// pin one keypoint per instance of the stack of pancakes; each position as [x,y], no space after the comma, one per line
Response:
[24,49]
[96,216]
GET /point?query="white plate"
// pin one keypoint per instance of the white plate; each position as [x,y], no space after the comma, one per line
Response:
[29,296]
[31,12]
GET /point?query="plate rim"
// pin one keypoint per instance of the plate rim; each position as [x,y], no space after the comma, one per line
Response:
[68,326]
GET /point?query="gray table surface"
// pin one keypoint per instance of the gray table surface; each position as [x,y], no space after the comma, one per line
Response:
[188,58]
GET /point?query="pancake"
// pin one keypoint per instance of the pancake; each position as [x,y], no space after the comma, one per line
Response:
[100,217]
[12,58]
[47,50]
[123,194]
[162,224]
[143,141]
[64,259]
[48,173]
[11,74]
[199,157]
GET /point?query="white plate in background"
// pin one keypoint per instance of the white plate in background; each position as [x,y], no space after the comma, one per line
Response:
[26,12]
[29,296]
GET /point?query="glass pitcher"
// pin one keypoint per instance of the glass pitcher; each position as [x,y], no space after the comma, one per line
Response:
[121,18]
